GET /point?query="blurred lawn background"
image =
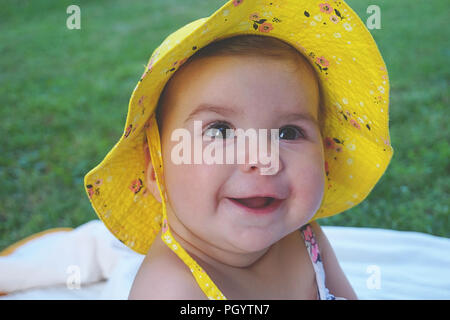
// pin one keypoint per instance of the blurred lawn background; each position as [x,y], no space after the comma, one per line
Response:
[64,96]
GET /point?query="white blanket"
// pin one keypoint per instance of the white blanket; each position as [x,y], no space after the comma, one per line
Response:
[89,263]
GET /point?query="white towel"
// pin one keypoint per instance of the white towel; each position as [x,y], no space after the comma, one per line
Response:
[89,263]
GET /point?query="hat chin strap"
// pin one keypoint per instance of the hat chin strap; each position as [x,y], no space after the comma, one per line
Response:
[206,284]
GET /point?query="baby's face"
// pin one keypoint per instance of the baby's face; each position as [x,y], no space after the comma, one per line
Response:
[257,93]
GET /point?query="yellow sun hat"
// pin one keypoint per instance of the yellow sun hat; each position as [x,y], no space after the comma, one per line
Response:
[355,85]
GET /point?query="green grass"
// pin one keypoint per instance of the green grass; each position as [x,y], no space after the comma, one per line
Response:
[64,95]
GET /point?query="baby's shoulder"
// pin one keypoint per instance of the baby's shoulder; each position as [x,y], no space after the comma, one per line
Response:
[163,276]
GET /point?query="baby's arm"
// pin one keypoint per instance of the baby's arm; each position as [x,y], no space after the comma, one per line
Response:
[335,279]
[164,278]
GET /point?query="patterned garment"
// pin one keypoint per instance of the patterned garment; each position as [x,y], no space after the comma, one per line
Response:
[314,253]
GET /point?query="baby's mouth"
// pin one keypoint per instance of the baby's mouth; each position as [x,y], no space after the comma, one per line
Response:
[255,203]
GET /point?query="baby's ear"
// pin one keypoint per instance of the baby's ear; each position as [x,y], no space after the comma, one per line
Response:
[150,177]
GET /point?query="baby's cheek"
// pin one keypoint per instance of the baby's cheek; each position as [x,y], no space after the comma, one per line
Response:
[191,189]
[308,189]
[180,186]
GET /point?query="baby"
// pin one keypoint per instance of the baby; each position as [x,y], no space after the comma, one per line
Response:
[251,249]
[220,225]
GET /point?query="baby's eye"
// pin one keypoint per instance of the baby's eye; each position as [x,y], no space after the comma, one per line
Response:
[219,130]
[291,133]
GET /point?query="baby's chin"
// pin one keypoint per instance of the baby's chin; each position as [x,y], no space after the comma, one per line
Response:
[251,240]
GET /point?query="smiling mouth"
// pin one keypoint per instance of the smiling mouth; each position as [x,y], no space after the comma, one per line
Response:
[255,203]
[258,205]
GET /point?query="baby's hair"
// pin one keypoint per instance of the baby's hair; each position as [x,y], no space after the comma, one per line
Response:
[249,45]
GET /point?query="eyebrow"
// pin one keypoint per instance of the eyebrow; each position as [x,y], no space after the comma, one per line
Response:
[224,111]
[300,116]
[207,107]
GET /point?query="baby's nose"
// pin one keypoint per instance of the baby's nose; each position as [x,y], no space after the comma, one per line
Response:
[262,154]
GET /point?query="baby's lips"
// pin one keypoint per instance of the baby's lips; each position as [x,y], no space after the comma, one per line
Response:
[278,196]
[255,202]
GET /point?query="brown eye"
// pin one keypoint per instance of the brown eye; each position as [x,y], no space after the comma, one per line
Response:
[291,133]
[219,130]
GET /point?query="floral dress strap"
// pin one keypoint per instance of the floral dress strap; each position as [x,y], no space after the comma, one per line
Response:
[314,253]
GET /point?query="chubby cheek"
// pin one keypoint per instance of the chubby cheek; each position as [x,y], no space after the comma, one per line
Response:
[192,192]
[307,189]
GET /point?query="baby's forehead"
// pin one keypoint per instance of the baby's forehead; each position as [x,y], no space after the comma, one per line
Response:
[201,82]
[221,74]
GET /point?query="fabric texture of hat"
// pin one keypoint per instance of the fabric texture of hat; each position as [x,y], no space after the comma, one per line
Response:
[355,86]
